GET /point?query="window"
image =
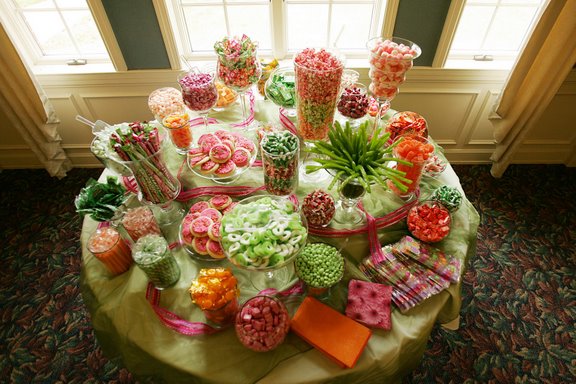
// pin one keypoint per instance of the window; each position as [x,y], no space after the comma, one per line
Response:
[492,32]
[54,31]
[281,27]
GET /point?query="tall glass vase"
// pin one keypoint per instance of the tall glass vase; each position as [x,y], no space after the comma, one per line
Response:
[390,59]
[318,76]
[156,186]
[238,66]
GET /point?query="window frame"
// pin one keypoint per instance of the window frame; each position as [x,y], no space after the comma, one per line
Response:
[277,13]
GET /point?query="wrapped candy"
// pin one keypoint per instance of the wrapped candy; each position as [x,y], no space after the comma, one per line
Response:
[319,208]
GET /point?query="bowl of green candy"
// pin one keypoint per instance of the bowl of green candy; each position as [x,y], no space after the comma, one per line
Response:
[280,89]
[263,232]
[320,266]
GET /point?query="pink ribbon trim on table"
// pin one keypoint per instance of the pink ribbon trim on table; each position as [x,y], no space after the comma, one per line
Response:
[250,117]
[295,290]
[173,321]
[380,222]
[286,122]
[231,190]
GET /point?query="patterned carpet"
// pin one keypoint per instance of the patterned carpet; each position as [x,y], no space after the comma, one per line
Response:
[519,294]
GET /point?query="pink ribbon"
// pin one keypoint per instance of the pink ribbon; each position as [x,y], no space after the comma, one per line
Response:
[173,321]
[250,117]
[381,222]
[286,122]
[231,190]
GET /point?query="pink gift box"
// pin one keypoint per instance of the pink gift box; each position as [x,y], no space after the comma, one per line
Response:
[369,303]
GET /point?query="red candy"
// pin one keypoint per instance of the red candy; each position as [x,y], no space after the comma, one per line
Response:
[262,323]
[429,221]
[407,123]
[318,207]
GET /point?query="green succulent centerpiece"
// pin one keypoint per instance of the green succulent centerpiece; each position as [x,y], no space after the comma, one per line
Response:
[354,157]
[101,201]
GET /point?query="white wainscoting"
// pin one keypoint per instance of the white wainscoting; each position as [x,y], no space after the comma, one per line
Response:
[456,104]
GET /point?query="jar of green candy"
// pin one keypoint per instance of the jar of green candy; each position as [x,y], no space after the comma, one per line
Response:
[320,266]
[152,255]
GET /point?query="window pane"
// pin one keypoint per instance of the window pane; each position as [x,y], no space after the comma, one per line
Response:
[509,28]
[307,26]
[50,33]
[472,27]
[83,28]
[201,1]
[34,4]
[71,4]
[205,25]
[252,21]
[355,19]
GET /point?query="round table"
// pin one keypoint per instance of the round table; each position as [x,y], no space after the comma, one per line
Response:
[129,331]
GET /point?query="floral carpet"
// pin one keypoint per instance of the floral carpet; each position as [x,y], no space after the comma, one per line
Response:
[518,317]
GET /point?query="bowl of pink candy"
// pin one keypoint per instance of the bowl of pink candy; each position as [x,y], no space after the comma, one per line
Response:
[262,323]
[429,221]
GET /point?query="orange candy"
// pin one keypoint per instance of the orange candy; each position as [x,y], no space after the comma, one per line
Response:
[214,288]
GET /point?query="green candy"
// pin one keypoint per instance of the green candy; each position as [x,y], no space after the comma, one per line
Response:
[450,197]
[320,265]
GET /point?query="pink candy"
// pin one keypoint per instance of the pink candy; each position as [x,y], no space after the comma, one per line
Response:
[318,78]
[198,91]
[389,63]
[262,323]
[165,101]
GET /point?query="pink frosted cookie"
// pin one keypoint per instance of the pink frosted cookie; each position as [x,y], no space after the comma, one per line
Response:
[225,169]
[212,213]
[199,227]
[189,218]
[215,249]
[230,144]
[199,245]
[220,201]
[199,207]
[245,143]
[197,161]
[230,207]
[224,135]
[241,157]
[209,167]
[194,152]
[207,141]
[220,153]
[186,234]
[214,231]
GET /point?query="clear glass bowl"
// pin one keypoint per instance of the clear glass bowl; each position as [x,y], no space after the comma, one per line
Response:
[263,233]
[429,221]
[261,329]
[209,159]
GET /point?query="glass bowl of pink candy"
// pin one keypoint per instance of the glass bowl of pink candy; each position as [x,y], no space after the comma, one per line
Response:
[429,221]
[221,155]
[262,323]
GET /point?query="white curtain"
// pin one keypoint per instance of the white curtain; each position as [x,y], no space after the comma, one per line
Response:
[543,65]
[29,110]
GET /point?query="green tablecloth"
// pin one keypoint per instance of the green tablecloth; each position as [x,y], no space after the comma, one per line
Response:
[128,330]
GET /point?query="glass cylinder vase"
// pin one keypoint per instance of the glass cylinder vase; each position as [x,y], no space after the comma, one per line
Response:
[156,185]
[318,75]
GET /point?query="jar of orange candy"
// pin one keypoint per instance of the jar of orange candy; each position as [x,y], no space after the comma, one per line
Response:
[412,152]
[215,292]
[109,247]
[178,125]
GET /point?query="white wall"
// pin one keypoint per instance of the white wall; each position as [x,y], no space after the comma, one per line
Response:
[456,104]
